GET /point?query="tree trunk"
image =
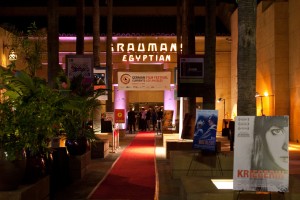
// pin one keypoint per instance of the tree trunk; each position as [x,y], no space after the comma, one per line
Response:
[188,41]
[53,42]
[96,57]
[188,49]
[96,33]
[80,27]
[246,69]
[109,103]
[209,99]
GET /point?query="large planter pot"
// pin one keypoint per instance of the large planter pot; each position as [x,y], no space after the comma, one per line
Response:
[77,147]
[37,167]
[11,174]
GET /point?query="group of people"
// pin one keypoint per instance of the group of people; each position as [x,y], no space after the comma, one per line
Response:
[144,119]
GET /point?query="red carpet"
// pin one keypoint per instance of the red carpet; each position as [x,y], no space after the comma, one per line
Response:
[133,174]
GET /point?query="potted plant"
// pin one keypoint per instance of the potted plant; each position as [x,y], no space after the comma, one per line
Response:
[12,154]
[37,110]
[77,123]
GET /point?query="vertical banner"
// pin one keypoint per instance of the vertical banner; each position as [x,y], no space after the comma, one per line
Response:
[261,157]
[205,130]
[100,78]
[119,116]
[100,81]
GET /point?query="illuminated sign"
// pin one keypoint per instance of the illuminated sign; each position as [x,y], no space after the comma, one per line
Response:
[145,52]
[146,58]
[144,80]
[144,47]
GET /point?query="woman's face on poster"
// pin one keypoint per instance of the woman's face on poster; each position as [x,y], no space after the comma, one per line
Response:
[277,141]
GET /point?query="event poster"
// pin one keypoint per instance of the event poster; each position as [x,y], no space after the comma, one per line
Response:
[119,116]
[144,80]
[261,157]
[168,118]
[205,130]
[79,64]
[100,81]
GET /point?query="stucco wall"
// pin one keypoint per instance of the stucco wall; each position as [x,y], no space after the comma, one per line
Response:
[294,66]
[272,59]
[234,48]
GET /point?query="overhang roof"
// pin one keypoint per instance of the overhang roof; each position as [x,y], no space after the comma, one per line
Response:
[130,16]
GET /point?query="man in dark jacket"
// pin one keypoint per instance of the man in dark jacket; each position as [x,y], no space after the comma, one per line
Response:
[131,121]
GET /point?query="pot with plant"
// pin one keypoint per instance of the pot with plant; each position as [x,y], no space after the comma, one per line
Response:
[79,106]
[12,154]
[37,110]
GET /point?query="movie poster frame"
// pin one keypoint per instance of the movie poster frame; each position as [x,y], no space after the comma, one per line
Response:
[256,165]
[201,140]
[85,62]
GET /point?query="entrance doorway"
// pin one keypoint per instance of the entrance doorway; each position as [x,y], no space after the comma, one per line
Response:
[138,108]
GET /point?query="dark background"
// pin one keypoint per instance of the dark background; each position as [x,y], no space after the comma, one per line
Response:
[148,25]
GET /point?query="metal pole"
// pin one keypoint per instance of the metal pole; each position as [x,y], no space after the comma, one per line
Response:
[262,105]
[224,109]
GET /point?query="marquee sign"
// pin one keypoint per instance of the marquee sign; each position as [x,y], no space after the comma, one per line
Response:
[145,51]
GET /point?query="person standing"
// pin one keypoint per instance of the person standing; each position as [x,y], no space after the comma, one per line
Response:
[153,118]
[131,121]
[159,119]
[148,119]
[143,119]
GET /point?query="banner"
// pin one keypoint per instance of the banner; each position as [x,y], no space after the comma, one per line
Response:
[80,64]
[144,80]
[205,130]
[261,157]
[100,81]
[119,116]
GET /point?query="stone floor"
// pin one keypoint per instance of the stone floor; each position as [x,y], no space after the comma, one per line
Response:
[169,188]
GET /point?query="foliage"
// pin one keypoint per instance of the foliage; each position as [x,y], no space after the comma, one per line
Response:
[35,109]
[29,46]
[82,100]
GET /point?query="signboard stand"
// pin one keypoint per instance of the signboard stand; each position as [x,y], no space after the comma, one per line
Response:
[159,127]
[281,194]
[115,138]
[212,159]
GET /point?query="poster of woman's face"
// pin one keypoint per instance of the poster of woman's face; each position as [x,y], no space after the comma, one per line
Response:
[261,155]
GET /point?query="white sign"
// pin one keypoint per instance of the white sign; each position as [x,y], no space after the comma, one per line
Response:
[144,80]
[261,157]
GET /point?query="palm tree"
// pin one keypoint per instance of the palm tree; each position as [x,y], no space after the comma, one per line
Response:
[188,48]
[96,53]
[80,26]
[210,55]
[246,70]
[96,33]
[53,42]
[109,105]
[188,41]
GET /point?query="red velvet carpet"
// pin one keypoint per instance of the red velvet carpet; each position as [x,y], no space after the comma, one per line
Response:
[133,175]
